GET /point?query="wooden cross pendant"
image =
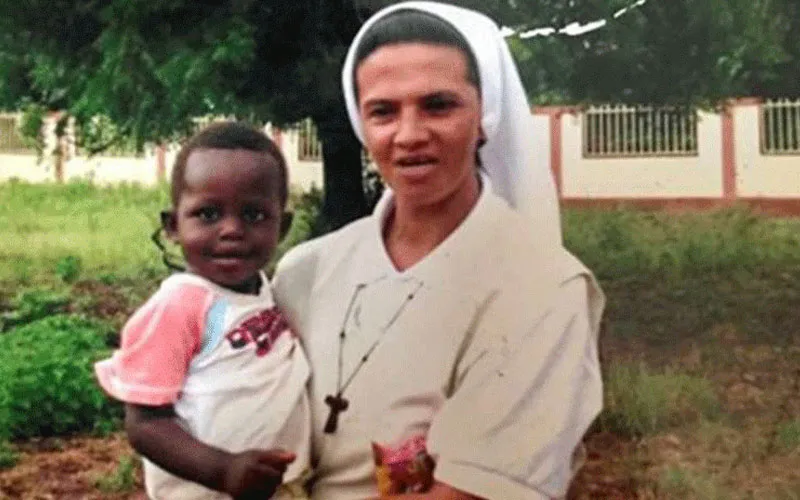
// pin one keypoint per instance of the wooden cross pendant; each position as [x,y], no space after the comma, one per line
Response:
[338,404]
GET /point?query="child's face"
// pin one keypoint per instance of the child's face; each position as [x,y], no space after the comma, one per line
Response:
[228,217]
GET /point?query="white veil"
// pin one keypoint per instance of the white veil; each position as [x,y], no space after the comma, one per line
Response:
[508,156]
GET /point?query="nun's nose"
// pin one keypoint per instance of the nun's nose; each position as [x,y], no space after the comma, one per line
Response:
[411,129]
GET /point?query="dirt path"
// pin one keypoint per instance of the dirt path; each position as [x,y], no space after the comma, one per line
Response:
[69,470]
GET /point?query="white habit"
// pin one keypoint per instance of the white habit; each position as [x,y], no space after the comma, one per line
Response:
[495,357]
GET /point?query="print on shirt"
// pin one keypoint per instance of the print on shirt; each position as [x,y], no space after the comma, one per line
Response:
[262,329]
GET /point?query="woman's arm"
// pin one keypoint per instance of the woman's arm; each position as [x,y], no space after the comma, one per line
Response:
[154,432]
[511,428]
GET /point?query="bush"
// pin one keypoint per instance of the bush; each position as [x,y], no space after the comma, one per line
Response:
[69,268]
[307,223]
[640,403]
[8,456]
[47,383]
[31,305]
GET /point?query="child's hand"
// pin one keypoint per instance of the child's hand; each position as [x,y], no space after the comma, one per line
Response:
[256,474]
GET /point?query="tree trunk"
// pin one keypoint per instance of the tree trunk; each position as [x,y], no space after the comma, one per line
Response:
[342,171]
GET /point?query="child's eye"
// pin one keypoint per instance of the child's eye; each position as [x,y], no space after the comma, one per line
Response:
[254,215]
[208,214]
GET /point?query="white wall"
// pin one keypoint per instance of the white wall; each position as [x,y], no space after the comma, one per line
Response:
[25,167]
[302,174]
[759,175]
[666,177]
[143,170]
[112,170]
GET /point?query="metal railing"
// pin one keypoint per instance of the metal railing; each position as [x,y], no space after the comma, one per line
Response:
[309,147]
[625,131]
[11,140]
[780,127]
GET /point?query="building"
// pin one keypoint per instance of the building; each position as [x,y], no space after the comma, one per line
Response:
[748,152]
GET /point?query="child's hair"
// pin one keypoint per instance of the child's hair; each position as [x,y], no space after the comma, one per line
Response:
[228,135]
[222,135]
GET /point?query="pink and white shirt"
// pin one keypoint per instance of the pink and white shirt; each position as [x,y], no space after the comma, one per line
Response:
[228,362]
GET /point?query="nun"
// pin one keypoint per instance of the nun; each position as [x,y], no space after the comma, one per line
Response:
[452,318]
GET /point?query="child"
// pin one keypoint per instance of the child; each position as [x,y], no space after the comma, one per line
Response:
[212,378]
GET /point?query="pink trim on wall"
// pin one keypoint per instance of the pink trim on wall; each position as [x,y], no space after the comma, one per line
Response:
[746,101]
[728,154]
[556,153]
[773,206]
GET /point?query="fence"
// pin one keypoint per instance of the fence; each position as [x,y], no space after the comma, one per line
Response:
[609,152]
[780,127]
[624,131]
[11,140]
[310,147]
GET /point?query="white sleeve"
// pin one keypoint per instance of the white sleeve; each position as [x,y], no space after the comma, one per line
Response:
[511,427]
[293,282]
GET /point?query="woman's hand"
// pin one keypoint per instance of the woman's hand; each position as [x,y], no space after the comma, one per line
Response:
[256,474]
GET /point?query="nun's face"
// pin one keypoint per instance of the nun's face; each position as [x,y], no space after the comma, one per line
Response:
[421,120]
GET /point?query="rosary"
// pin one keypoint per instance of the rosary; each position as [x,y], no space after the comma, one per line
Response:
[337,403]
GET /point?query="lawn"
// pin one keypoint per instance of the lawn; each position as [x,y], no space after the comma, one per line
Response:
[700,345]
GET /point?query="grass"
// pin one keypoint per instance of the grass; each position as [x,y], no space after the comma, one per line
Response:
[700,342]
[685,484]
[788,435]
[45,227]
[676,245]
[64,232]
[122,480]
[640,403]
[77,228]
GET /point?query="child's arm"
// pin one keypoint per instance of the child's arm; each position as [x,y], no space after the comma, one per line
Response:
[154,433]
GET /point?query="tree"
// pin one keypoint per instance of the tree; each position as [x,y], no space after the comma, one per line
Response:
[153,67]
[676,52]
[781,79]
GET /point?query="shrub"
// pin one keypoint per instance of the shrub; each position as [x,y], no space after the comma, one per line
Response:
[640,403]
[8,457]
[31,305]
[69,268]
[307,223]
[47,383]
